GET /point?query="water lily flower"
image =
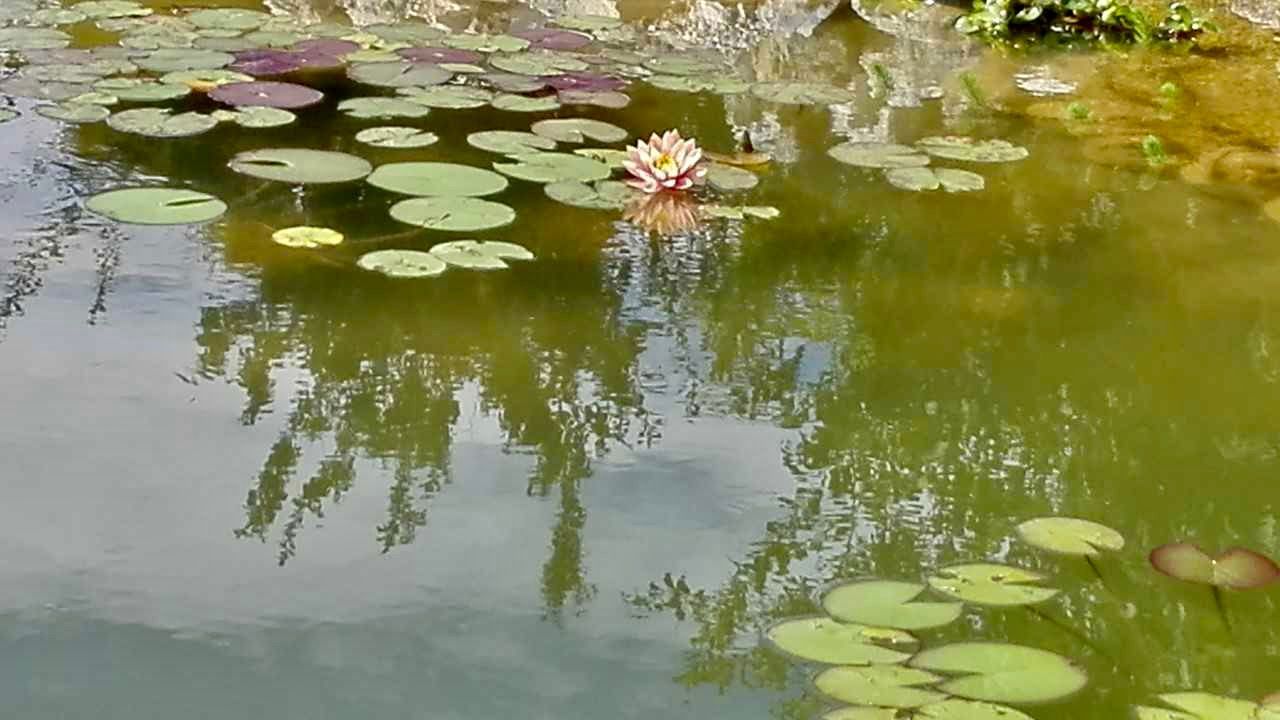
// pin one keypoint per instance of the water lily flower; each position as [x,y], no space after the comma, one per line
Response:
[664,163]
[663,213]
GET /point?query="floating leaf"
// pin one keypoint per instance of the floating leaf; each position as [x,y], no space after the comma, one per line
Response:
[587,23]
[824,640]
[521,103]
[949,709]
[157,123]
[605,99]
[891,686]
[440,55]
[156,206]
[257,118]
[486,43]
[396,137]
[402,263]
[447,96]
[437,179]
[801,93]
[739,212]
[382,107]
[538,64]
[577,130]
[228,19]
[1236,568]
[98,9]
[55,91]
[74,112]
[991,584]
[548,167]
[718,84]
[968,149]
[266,63]
[58,16]
[480,255]
[1002,672]
[552,39]
[727,177]
[32,39]
[306,237]
[141,90]
[954,181]
[512,83]
[913,178]
[167,60]
[299,166]
[681,65]
[415,33]
[457,214]
[1070,536]
[1201,706]
[609,156]
[878,155]
[398,74]
[205,80]
[603,195]
[509,142]
[887,603]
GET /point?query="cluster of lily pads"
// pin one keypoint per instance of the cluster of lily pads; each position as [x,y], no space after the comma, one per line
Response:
[879,671]
[908,167]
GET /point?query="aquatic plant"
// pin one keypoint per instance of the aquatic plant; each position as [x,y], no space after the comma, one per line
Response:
[1108,21]
[1235,569]
[664,163]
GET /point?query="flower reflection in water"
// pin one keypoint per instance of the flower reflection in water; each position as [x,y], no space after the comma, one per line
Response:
[663,213]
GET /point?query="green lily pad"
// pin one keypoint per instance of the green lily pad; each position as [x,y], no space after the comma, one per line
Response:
[892,686]
[718,84]
[370,56]
[74,74]
[413,33]
[523,103]
[509,142]
[728,177]
[402,263]
[204,80]
[513,83]
[1002,672]
[888,603]
[1200,706]
[256,118]
[538,64]
[398,74]
[738,212]
[300,166]
[228,19]
[598,98]
[578,130]
[141,89]
[824,640]
[392,136]
[587,23]
[157,123]
[437,179]
[99,9]
[549,167]
[78,113]
[166,60]
[453,97]
[602,195]
[480,255]
[680,65]
[954,181]
[55,91]
[991,584]
[1237,568]
[609,156]
[306,237]
[456,214]
[382,108]
[93,98]
[1070,536]
[33,39]
[486,43]
[970,150]
[58,16]
[802,93]
[274,38]
[878,155]
[949,709]
[156,206]
[913,178]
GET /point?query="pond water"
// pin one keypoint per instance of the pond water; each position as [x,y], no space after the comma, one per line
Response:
[248,480]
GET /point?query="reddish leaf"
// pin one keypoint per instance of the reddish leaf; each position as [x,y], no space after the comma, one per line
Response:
[1243,569]
[1183,561]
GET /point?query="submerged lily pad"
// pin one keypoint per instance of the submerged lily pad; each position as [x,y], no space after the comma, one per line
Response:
[802,93]
[392,136]
[682,65]
[480,255]
[578,130]
[824,640]
[1236,568]
[1002,672]
[890,686]
[888,603]
[156,206]
[301,166]
[288,96]
[402,263]
[453,97]
[739,212]
[878,155]
[74,112]
[306,237]
[157,123]
[509,142]
[603,195]
[954,180]
[456,214]
[727,177]
[552,39]
[522,103]
[398,74]
[1070,536]
[437,179]
[991,584]
[970,150]
[1200,706]
[382,107]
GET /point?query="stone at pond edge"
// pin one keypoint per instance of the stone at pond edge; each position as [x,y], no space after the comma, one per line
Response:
[156,206]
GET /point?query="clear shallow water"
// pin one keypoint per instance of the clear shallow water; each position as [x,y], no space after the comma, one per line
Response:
[243,481]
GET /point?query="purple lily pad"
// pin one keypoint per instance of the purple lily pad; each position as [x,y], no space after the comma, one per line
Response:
[549,39]
[326,46]
[288,96]
[316,60]
[266,63]
[589,82]
[440,55]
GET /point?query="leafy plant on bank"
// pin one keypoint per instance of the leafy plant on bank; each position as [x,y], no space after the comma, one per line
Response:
[1115,21]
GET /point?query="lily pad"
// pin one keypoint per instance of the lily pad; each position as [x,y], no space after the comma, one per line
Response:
[586,22]
[954,181]
[288,96]
[513,83]
[266,63]
[802,93]
[1236,568]
[913,178]
[878,155]
[578,130]
[718,84]
[414,33]
[509,142]
[728,178]
[891,686]
[32,39]
[141,89]
[480,255]
[402,263]
[398,74]
[606,98]
[205,80]
[306,237]
[167,60]
[156,206]
[824,640]
[539,64]
[55,91]
[440,55]
[58,16]
[437,179]
[486,43]
[1002,672]
[257,118]
[888,603]
[78,113]
[548,167]
[949,709]
[157,123]
[522,103]
[609,156]
[300,166]
[392,136]
[228,19]
[1070,536]
[602,195]
[970,150]
[99,9]
[382,107]
[991,584]
[456,214]
[453,97]
[553,39]
[1200,706]
[680,65]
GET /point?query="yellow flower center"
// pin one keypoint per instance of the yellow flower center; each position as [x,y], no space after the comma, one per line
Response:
[666,164]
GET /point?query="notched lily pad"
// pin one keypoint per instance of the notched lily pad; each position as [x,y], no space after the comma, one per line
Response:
[156,206]
[802,93]
[286,96]
[602,195]
[523,103]
[166,60]
[382,108]
[509,142]
[453,97]
[824,640]
[1070,536]
[1002,672]
[1200,706]
[301,166]
[888,603]
[437,179]
[398,74]
[157,123]
[392,136]
[878,155]
[402,263]
[480,255]
[455,214]
[728,178]
[256,118]
[991,584]
[889,686]
[578,130]
[141,90]
[307,237]
[72,112]
[1236,568]
[548,167]
[968,149]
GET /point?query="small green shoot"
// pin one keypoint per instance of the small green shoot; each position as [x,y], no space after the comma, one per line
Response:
[1153,151]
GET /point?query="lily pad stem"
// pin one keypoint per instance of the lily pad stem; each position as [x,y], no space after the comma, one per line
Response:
[1221,604]
[1073,632]
[1097,571]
